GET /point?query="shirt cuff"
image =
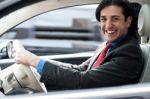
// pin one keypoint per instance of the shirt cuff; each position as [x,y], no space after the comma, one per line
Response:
[40,65]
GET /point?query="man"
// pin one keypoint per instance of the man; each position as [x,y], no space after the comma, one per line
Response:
[121,65]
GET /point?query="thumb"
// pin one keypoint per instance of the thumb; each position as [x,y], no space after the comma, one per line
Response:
[17,44]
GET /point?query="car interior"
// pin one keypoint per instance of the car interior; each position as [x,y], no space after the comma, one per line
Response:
[111,93]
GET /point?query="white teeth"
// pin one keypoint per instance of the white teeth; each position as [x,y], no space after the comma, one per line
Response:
[110,32]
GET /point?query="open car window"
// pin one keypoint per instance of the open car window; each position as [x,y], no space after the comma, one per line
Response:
[79,19]
[61,31]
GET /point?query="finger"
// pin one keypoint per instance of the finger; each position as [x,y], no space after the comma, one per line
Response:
[13,50]
[16,61]
[13,55]
[17,44]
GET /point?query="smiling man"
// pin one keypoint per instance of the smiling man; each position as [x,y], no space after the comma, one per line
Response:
[113,23]
[119,63]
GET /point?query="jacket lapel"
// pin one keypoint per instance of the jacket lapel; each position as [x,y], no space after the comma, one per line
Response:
[97,52]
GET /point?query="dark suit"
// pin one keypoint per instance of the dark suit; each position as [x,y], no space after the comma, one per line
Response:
[122,66]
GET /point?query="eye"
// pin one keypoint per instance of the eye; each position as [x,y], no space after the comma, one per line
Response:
[115,19]
[102,19]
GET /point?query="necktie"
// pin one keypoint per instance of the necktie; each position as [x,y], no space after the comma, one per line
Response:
[101,56]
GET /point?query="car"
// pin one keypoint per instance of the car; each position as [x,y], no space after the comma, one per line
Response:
[22,10]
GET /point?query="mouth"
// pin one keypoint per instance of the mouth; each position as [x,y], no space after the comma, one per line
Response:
[111,32]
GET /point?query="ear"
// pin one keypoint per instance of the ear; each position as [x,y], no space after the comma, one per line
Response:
[129,20]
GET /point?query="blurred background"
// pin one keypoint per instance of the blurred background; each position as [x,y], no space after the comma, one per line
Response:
[61,31]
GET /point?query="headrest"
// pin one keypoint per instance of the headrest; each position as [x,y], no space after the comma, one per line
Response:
[144,20]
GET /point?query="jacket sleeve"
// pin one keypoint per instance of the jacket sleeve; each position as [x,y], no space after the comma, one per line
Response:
[121,66]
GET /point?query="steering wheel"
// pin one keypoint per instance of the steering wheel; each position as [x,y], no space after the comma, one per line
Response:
[20,76]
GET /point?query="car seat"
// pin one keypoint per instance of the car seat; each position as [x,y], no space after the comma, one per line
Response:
[144,31]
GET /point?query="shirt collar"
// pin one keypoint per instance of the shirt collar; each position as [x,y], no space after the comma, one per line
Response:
[116,42]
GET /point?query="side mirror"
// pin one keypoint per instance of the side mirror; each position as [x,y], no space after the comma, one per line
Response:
[6,49]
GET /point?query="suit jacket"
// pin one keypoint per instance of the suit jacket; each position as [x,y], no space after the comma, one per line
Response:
[123,65]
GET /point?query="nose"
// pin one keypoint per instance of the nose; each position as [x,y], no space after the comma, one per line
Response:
[108,24]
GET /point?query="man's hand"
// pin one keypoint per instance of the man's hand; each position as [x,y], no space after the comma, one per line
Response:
[22,56]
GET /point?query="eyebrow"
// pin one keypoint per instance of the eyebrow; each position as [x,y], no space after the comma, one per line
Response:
[111,16]
[116,16]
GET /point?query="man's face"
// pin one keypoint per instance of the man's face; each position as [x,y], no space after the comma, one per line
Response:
[113,24]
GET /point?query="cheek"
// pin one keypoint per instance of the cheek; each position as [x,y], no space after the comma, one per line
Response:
[102,27]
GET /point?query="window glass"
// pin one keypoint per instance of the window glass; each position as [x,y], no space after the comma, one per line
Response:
[11,34]
[67,30]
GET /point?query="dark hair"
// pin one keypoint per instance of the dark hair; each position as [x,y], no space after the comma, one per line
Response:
[124,4]
[136,7]
[127,10]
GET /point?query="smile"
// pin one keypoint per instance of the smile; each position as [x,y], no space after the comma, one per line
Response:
[111,32]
